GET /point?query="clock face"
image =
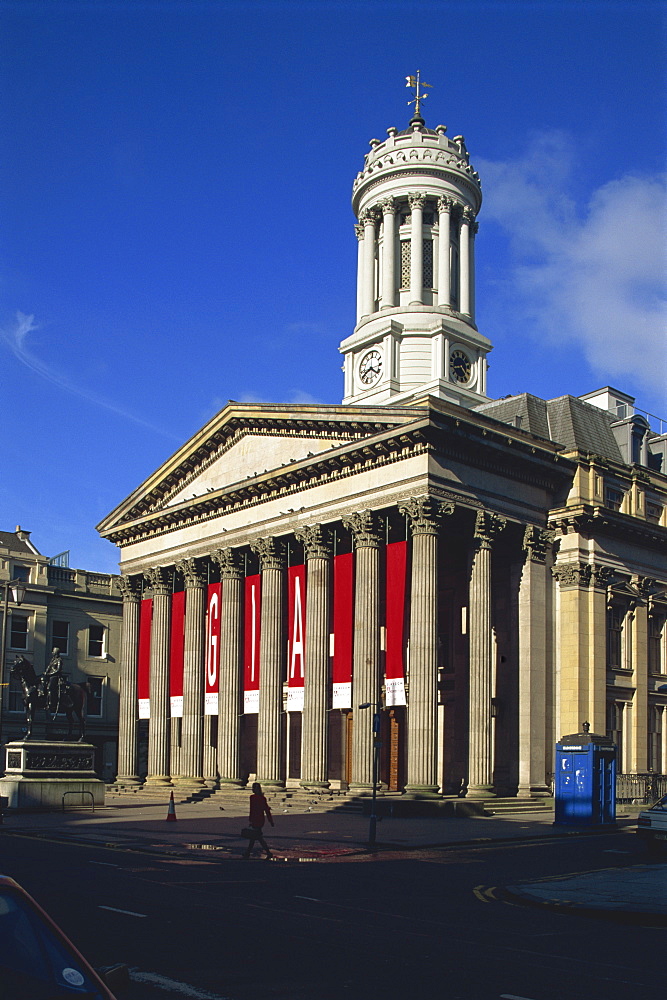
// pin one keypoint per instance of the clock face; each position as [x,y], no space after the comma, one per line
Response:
[460,366]
[370,367]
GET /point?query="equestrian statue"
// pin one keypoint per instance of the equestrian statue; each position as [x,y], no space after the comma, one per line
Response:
[52,692]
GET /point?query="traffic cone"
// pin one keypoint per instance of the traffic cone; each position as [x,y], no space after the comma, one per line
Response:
[171,813]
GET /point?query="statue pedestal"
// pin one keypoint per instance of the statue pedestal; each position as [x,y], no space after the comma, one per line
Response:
[42,776]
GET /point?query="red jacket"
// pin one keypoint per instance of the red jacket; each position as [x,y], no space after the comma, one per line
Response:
[258,807]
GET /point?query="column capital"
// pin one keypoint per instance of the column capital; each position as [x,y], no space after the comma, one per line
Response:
[130,588]
[359,231]
[572,575]
[229,561]
[467,217]
[194,572]
[271,553]
[369,217]
[644,586]
[316,541]
[365,529]
[416,199]
[445,204]
[425,514]
[487,527]
[159,580]
[387,205]
[536,542]
[602,577]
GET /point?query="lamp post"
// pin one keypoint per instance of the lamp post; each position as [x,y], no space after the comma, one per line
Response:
[372,823]
[18,589]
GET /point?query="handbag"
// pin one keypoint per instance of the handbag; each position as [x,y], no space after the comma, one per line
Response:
[247,832]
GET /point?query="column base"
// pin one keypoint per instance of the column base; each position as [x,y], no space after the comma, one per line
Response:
[127,779]
[272,784]
[230,783]
[533,791]
[157,781]
[183,781]
[480,792]
[422,792]
[361,788]
[316,786]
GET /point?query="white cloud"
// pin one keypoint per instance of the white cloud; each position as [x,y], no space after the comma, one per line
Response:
[595,276]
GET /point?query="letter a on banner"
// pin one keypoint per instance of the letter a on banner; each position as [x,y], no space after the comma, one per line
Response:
[296,621]
[144,658]
[397,554]
[253,590]
[212,649]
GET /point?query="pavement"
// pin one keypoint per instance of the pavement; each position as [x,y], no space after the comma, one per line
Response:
[210,830]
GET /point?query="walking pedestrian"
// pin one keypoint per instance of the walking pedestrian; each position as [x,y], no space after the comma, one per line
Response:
[259,808]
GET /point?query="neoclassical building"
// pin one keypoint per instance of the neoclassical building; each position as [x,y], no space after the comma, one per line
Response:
[483,574]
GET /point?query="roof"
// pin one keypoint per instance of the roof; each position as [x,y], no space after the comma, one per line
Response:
[12,541]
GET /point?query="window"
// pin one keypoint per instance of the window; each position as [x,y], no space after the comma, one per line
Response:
[615,727]
[21,573]
[613,498]
[655,719]
[428,264]
[405,263]
[94,697]
[656,624]
[653,511]
[96,640]
[18,632]
[60,637]
[614,638]
[15,695]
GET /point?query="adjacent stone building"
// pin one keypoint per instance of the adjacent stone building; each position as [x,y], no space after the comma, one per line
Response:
[484,574]
[80,613]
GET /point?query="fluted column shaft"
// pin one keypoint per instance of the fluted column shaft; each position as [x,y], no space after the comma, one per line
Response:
[316,696]
[424,515]
[480,772]
[359,232]
[271,653]
[444,265]
[388,253]
[416,248]
[193,673]
[231,658]
[366,663]
[127,717]
[368,287]
[158,730]
[473,232]
[464,271]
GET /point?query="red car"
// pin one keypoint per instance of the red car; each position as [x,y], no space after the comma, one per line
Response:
[37,960]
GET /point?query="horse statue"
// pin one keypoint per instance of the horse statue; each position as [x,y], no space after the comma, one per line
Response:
[53,693]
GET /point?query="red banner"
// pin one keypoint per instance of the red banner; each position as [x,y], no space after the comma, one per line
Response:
[396,575]
[144,658]
[213,608]
[253,605]
[343,629]
[176,651]
[296,636]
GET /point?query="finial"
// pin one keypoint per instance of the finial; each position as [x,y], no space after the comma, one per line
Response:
[417,82]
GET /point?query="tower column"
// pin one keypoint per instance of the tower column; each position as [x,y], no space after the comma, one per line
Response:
[359,233]
[368,220]
[159,580]
[474,227]
[388,207]
[480,739]
[366,663]
[424,517]
[231,662]
[467,219]
[130,588]
[272,564]
[193,673]
[317,547]
[416,248]
[445,206]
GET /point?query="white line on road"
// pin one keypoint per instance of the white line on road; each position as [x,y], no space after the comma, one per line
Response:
[104,864]
[173,985]
[512,996]
[311,898]
[129,913]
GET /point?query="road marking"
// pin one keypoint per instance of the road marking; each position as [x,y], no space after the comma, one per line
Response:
[129,913]
[311,898]
[512,996]
[173,986]
[611,850]
[105,864]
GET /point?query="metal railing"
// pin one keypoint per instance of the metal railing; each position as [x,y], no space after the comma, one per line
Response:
[641,789]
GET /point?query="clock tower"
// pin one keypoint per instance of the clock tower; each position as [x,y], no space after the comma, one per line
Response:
[416,201]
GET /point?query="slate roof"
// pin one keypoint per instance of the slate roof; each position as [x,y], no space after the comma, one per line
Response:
[10,540]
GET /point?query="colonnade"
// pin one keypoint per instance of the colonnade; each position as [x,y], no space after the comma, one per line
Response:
[424,517]
[456,228]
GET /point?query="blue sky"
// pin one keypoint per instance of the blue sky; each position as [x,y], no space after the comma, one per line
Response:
[176,223]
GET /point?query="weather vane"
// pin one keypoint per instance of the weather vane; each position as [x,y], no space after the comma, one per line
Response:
[416,82]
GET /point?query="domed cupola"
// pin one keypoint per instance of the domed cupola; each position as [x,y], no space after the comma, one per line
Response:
[416,201]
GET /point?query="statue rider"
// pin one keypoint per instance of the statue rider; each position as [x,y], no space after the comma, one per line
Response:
[53,679]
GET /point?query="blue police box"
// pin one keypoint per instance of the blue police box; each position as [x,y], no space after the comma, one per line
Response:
[585,785]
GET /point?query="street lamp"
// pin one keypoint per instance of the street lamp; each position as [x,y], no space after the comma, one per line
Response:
[372,823]
[18,589]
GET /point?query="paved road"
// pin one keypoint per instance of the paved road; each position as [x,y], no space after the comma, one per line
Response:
[426,923]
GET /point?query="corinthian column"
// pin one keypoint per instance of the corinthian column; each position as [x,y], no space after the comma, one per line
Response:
[272,564]
[424,516]
[467,220]
[388,207]
[416,248]
[366,664]
[480,777]
[231,659]
[193,673]
[130,588]
[317,547]
[159,580]
[368,221]
[359,232]
[445,206]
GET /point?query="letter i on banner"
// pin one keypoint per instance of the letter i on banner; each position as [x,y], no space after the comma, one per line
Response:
[253,592]
[212,648]
[144,658]
[296,622]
